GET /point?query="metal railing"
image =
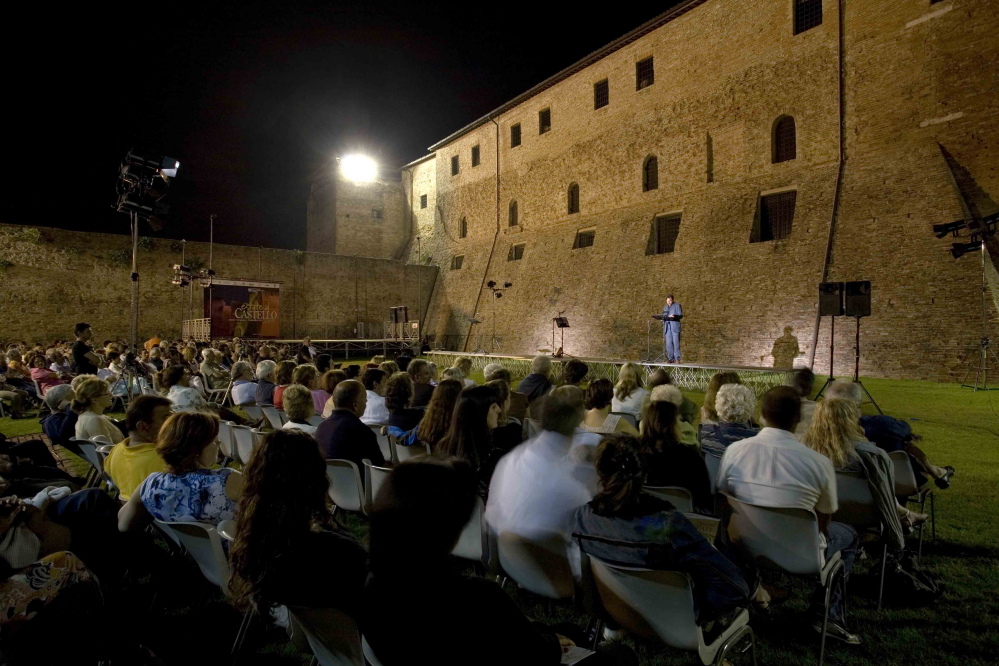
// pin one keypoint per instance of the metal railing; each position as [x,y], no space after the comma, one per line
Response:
[199,330]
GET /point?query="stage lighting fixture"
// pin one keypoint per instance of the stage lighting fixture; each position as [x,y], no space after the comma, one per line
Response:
[507,285]
[942,230]
[491,284]
[499,294]
[358,168]
[958,250]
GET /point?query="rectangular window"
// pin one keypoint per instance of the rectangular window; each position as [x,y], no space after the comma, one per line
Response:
[423,201]
[807,15]
[514,135]
[544,120]
[645,74]
[584,239]
[475,156]
[516,253]
[454,165]
[456,262]
[601,94]
[376,213]
[775,215]
[665,229]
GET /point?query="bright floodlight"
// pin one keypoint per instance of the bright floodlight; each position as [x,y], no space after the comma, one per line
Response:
[358,168]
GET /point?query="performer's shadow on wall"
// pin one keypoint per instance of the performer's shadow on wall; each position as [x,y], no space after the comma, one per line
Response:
[786,349]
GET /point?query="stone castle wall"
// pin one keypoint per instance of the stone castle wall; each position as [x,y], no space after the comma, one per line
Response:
[921,125]
[57,278]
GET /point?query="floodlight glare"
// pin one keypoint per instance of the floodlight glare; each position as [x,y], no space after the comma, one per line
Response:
[358,168]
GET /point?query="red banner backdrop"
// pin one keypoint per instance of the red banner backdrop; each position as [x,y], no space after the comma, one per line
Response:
[244,309]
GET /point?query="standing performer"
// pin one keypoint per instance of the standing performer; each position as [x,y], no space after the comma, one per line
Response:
[672,314]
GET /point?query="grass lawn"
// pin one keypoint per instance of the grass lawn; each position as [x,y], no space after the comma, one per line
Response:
[960,427]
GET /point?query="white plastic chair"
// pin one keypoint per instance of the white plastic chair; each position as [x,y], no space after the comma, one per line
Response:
[226,440]
[315,420]
[907,487]
[785,540]
[345,490]
[369,654]
[660,605]
[629,417]
[381,432]
[374,477]
[253,411]
[246,441]
[283,415]
[539,565]
[333,635]
[679,497]
[858,509]
[713,463]
[271,413]
[399,452]
[472,542]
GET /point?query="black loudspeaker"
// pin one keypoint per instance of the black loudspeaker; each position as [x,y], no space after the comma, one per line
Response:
[858,299]
[831,299]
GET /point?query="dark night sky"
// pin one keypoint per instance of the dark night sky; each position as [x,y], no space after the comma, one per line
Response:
[253,98]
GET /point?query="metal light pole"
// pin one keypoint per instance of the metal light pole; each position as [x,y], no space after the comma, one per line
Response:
[134,323]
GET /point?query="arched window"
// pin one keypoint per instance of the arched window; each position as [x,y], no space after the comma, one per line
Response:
[573,198]
[514,220]
[650,174]
[784,142]
[463,229]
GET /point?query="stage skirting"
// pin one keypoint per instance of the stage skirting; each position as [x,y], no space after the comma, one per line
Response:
[692,376]
[348,348]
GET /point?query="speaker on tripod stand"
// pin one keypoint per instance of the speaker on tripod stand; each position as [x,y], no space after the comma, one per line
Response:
[852,299]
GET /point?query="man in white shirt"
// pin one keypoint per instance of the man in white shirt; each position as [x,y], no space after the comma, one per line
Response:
[375,411]
[774,469]
[534,491]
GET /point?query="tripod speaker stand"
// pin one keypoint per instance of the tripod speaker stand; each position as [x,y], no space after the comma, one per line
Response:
[858,305]
[982,371]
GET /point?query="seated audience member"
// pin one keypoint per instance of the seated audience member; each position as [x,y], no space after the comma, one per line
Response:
[536,384]
[469,436]
[453,374]
[244,388]
[284,519]
[307,375]
[85,361]
[60,365]
[635,529]
[836,434]
[156,359]
[403,360]
[264,393]
[398,398]
[353,371]
[189,356]
[419,370]
[377,359]
[433,372]
[17,398]
[389,368]
[670,393]
[803,381]
[464,363]
[299,407]
[629,396]
[575,372]
[214,374]
[598,418]
[437,419]
[376,413]
[323,364]
[135,458]
[304,356]
[534,492]
[498,632]
[46,378]
[190,490]
[28,467]
[509,433]
[670,461]
[16,375]
[93,397]
[283,374]
[719,379]
[175,382]
[60,425]
[307,343]
[688,408]
[892,434]
[774,469]
[343,435]
[518,401]
[735,407]
[328,383]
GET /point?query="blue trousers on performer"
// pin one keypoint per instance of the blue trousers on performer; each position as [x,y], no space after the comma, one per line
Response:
[671,344]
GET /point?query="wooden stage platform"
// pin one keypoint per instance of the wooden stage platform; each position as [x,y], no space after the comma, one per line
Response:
[344,348]
[693,376]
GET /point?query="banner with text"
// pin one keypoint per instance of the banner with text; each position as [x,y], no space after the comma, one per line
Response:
[244,309]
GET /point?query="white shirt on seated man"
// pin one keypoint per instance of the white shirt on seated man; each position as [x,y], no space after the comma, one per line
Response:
[376,411]
[536,489]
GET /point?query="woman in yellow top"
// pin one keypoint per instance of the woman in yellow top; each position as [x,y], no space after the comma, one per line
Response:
[130,462]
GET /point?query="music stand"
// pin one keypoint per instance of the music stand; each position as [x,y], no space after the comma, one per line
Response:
[562,323]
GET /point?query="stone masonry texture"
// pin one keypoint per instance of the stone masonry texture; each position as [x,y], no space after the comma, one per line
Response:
[920,97]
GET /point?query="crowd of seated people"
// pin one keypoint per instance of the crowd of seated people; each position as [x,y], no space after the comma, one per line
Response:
[597,503]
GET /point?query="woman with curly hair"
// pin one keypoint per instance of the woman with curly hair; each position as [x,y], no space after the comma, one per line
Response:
[719,379]
[190,490]
[285,525]
[636,529]
[437,418]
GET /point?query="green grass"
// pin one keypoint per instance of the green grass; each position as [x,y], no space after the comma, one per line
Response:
[960,428]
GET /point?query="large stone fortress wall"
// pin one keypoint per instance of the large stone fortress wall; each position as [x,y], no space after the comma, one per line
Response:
[920,103]
[56,278]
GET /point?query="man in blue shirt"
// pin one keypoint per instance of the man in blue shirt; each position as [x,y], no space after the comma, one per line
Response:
[672,314]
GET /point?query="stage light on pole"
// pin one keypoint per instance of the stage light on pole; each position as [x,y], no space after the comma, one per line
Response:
[358,168]
[958,250]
